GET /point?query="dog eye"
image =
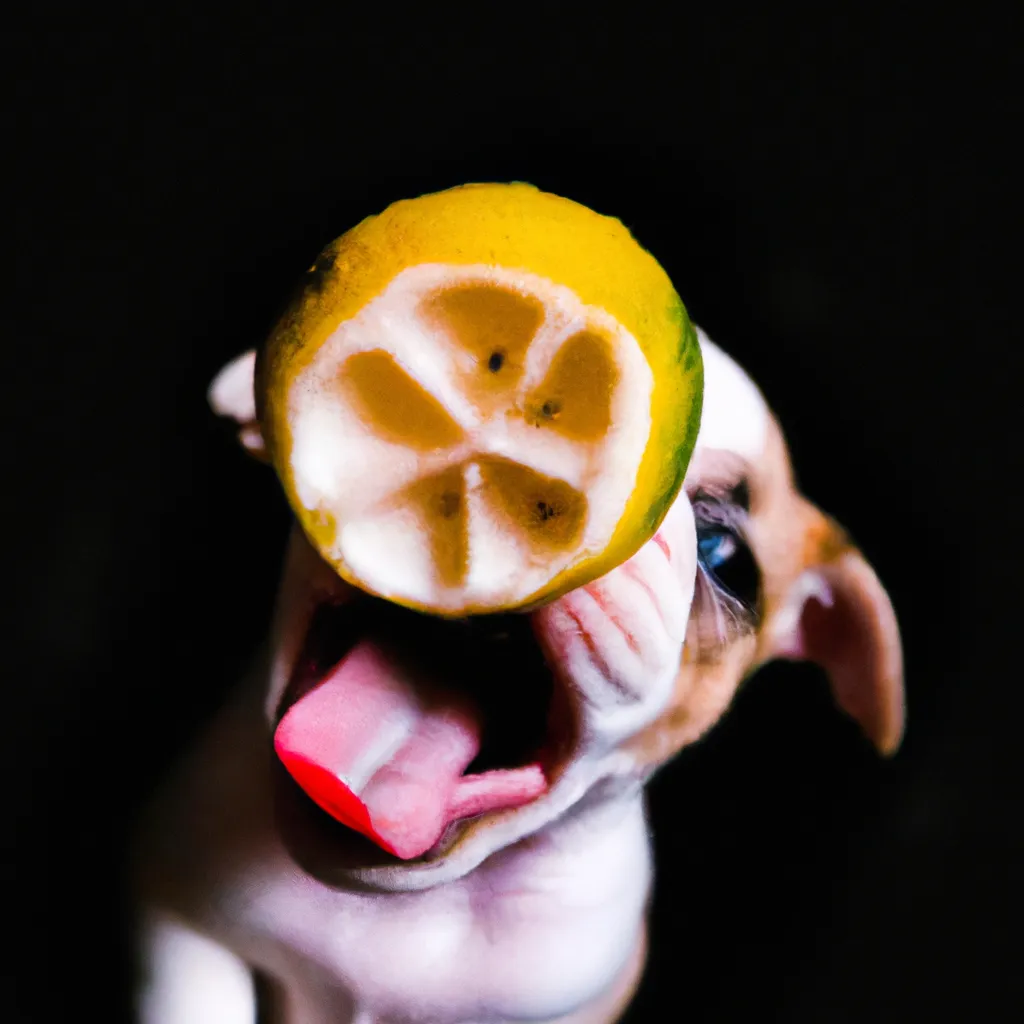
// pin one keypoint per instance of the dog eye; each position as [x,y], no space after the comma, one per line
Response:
[727,590]
[715,547]
[726,558]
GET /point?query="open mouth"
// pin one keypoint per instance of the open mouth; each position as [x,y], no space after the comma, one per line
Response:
[403,727]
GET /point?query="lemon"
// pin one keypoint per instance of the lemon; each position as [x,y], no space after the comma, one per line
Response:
[480,399]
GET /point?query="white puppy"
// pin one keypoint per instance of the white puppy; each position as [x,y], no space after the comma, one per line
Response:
[534,911]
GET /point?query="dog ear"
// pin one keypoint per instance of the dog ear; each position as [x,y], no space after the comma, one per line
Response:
[231,394]
[838,615]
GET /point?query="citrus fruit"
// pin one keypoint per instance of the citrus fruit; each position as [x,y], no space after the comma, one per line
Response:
[480,399]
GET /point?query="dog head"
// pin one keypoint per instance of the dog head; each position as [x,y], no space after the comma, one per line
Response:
[569,705]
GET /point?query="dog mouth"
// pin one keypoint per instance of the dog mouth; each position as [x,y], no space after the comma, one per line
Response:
[403,728]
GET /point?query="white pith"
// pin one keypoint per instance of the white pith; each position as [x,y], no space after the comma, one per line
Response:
[342,468]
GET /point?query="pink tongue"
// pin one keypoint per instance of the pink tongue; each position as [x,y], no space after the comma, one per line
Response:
[379,759]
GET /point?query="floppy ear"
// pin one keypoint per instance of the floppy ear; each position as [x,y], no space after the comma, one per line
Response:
[838,615]
[231,394]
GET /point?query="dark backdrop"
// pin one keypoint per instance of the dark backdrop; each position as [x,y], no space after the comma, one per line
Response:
[835,201]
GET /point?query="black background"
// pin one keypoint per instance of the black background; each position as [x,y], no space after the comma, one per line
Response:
[833,196]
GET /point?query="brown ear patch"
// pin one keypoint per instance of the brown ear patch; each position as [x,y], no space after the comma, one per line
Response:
[825,541]
[856,640]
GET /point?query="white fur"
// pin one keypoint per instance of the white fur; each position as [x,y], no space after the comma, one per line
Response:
[190,979]
[536,931]
[231,393]
[525,914]
[735,416]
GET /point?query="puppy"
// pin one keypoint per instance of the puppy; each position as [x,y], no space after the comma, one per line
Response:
[530,907]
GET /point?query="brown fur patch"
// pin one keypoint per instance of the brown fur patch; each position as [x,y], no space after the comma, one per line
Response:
[787,535]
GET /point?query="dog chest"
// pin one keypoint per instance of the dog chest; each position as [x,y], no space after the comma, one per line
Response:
[533,933]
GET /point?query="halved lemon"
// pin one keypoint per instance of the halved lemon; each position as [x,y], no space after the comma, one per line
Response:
[481,399]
